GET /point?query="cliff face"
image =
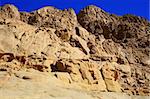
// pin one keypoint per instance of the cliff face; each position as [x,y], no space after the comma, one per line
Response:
[94,50]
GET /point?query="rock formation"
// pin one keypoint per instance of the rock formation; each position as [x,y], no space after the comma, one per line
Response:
[93,50]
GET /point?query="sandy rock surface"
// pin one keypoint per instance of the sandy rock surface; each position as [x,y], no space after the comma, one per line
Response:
[56,54]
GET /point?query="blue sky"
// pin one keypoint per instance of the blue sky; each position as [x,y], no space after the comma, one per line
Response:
[119,7]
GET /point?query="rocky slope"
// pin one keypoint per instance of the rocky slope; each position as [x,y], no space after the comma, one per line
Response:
[91,54]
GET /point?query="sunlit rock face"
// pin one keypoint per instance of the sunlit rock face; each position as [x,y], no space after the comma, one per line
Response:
[92,51]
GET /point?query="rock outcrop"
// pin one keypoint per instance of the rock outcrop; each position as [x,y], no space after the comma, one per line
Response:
[9,11]
[93,50]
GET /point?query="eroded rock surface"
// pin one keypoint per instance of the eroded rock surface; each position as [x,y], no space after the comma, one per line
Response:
[93,51]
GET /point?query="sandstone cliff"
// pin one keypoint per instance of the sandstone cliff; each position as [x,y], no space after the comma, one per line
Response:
[93,51]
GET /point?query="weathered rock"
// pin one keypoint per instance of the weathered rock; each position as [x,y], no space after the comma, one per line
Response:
[95,52]
[90,72]
[123,68]
[112,85]
[81,44]
[65,77]
[97,21]
[111,77]
[86,73]
[36,40]
[9,11]
[83,33]
[53,18]
[8,41]
[93,13]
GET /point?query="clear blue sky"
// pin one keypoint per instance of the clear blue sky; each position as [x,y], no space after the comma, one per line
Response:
[119,7]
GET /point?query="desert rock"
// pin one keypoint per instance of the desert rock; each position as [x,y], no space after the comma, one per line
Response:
[52,53]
